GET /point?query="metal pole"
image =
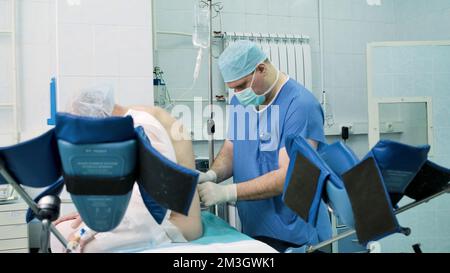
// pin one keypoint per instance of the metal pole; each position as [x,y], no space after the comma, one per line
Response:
[30,202]
[211,125]
[414,204]
[210,122]
[332,240]
[45,236]
[398,211]
[321,45]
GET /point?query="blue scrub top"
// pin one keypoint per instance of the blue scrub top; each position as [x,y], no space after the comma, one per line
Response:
[257,138]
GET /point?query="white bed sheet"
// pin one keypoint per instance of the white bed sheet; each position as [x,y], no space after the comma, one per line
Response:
[245,246]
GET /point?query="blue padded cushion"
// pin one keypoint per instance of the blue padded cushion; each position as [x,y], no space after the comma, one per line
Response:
[299,145]
[114,159]
[34,163]
[431,179]
[89,130]
[37,163]
[168,183]
[77,130]
[340,159]
[157,211]
[102,212]
[104,159]
[398,163]
[373,212]
[337,195]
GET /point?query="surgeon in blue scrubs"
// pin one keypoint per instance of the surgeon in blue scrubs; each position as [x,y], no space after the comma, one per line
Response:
[267,106]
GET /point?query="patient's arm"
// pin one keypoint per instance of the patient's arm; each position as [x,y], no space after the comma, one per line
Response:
[191,225]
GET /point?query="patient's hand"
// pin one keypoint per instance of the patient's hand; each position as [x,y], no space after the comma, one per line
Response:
[80,241]
[71,216]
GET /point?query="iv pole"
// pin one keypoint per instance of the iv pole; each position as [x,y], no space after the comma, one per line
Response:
[210,122]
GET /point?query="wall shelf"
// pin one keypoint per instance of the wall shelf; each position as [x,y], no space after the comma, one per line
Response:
[362,128]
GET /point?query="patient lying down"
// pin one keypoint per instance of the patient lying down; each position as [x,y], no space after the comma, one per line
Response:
[138,228]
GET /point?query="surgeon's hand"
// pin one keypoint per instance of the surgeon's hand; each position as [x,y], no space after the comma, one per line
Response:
[209,176]
[213,194]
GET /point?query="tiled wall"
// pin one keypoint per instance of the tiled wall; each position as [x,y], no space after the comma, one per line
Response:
[6,113]
[106,41]
[423,20]
[36,58]
[348,26]
[429,20]
[420,71]
[5,52]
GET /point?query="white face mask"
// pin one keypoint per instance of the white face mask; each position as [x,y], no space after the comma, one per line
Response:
[249,97]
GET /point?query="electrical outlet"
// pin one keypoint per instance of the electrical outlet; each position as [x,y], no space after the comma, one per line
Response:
[349,125]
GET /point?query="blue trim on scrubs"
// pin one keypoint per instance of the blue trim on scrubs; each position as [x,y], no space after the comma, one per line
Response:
[256,145]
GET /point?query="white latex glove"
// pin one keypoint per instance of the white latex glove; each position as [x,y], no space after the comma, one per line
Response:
[209,176]
[213,194]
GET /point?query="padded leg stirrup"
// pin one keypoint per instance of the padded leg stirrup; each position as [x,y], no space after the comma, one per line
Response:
[302,186]
[430,180]
[372,209]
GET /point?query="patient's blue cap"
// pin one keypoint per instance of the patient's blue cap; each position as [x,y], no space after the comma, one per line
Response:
[240,59]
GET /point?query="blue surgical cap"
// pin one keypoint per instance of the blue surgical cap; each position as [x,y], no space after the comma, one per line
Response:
[240,59]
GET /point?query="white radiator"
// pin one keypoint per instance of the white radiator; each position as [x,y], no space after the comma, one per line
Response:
[290,53]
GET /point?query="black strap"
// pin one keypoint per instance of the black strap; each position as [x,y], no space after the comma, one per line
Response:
[89,185]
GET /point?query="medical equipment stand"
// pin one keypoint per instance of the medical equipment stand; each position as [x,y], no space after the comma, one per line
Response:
[48,211]
[44,211]
[210,122]
[405,231]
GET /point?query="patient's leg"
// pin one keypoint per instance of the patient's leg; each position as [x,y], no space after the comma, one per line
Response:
[191,225]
